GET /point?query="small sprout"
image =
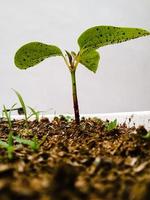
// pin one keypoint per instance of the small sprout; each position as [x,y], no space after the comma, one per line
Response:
[65,117]
[89,42]
[23,106]
[9,144]
[7,115]
[147,136]
[68,118]
[8,147]
[33,144]
[23,109]
[34,113]
[110,126]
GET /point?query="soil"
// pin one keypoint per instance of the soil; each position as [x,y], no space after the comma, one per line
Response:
[75,162]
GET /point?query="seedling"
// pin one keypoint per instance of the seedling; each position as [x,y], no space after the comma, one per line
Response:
[24,109]
[34,113]
[7,114]
[33,144]
[89,41]
[110,126]
[147,136]
[9,144]
[23,106]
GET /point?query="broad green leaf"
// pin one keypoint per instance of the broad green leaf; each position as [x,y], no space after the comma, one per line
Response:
[90,59]
[99,36]
[33,53]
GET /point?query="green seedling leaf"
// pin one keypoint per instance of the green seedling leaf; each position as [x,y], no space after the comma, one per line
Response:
[33,53]
[99,36]
[34,113]
[10,151]
[8,147]
[147,136]
[7,114]
[110,126]
[33,144]
[22,104]
[90,59]
[10,138]
[4,144]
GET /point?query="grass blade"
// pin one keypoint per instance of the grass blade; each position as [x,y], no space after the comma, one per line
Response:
[34,113]
[22,104]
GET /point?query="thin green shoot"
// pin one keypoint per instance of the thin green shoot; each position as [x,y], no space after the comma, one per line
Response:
[9,144]
[34,113]
[22,103]
[7,115]
[9,148]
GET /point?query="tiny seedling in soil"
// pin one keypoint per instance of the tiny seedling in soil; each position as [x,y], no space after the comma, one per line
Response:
[89,41]
[33,144]
[24,109]
[9,144]
[110,126]
[147,136]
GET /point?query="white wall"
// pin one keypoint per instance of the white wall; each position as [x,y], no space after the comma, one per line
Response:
[122,82]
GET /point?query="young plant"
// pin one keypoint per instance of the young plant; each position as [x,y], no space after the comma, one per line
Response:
[24,109]
[23,106]
[7,114]
[89,41]
[110,126]
[33,144]
[34,113]
[9,144]
[147,136]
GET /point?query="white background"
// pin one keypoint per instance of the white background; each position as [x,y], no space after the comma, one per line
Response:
[122,82]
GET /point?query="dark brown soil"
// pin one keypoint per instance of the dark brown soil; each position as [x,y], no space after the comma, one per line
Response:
[76,162]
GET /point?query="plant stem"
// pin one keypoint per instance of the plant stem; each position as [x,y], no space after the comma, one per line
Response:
[75,98]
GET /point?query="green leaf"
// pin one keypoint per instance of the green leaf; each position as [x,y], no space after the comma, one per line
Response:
[99,36]
[110,126]
[22,104]
[90,59]
[147,136]
[33,53]
[4,144]
[8,117]
[33,144]
[34,113]
[10,138]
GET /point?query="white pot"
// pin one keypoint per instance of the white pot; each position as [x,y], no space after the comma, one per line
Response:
[130,118]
